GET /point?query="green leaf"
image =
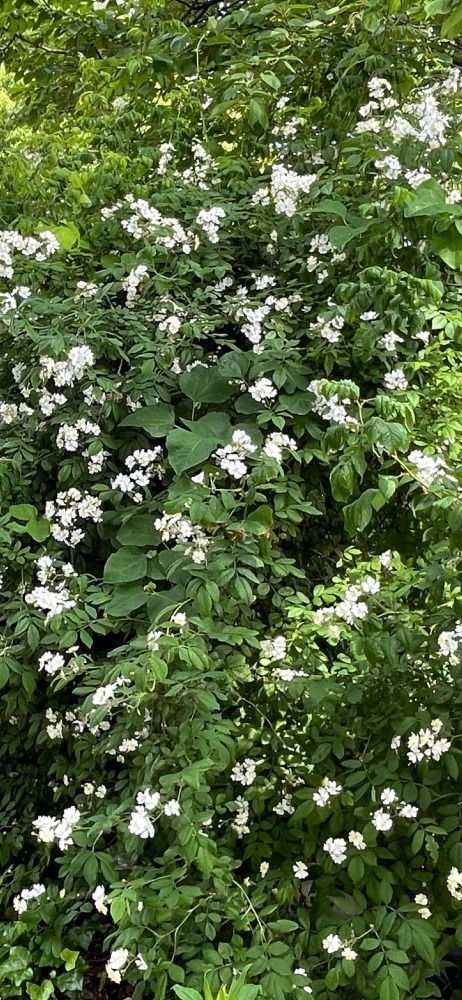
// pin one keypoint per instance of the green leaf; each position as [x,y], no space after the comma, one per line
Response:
[66,235]
[342,481]
[70,958]
[205,385]
[42,992]
[186,449]
[271,79]
[356,869]
[126,599]
[139,530]
[429,199]
[23,511]
[390,435]
[452,25]
[38,529]
[125,565]
[341,235]
[118,908]
[448,246]
[192,774]
[389,989]
[156,420]
[257,113]
[358,514]
[186,993]
[423,944]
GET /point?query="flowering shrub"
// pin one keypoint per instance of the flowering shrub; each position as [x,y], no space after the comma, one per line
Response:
[231,515]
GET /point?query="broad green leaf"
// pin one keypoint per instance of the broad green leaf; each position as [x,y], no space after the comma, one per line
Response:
[42,992]
[389,989]
[448,246]
[125,599]
[38,529]
[430,200]
[341,235]
[186,993]
[125,565]
[192,774]
[22,511]
[67,235]
[205,385]
[139,530]
[156,420]
[187,450]
[342,481]
[452,25]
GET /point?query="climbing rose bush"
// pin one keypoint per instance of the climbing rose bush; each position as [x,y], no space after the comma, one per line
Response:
[231,504]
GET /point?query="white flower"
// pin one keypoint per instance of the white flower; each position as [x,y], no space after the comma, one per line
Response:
[264,869]
[425,913]
[454,883]
[99,899]
[179,618]
[300,870]
[140,823]
[395,379]
[332,943]
[116,962]
[51,663]
[390,167]
[348,954]
[408,812]
[245,773]
[395,743]
[421,899]
[172,808]
[382,820]
[337,848]
[141,963]
[327,789]
[150,800]
[357,840]
[388,796]
[262,390]
[273,649]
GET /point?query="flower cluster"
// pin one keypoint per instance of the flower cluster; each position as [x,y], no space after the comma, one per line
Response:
[245,773]
[68,436]
[285,189]
[56,597]
[20,902]
[332,943]
[273,649]
[449,642]
[69,371]
[69,507]
[454,883]
[209,219]
[327,790]
[143,464]
[176,527]
[230,458]
[329,404]
[49,829]
[425,744]
[132,282]
[146,223]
